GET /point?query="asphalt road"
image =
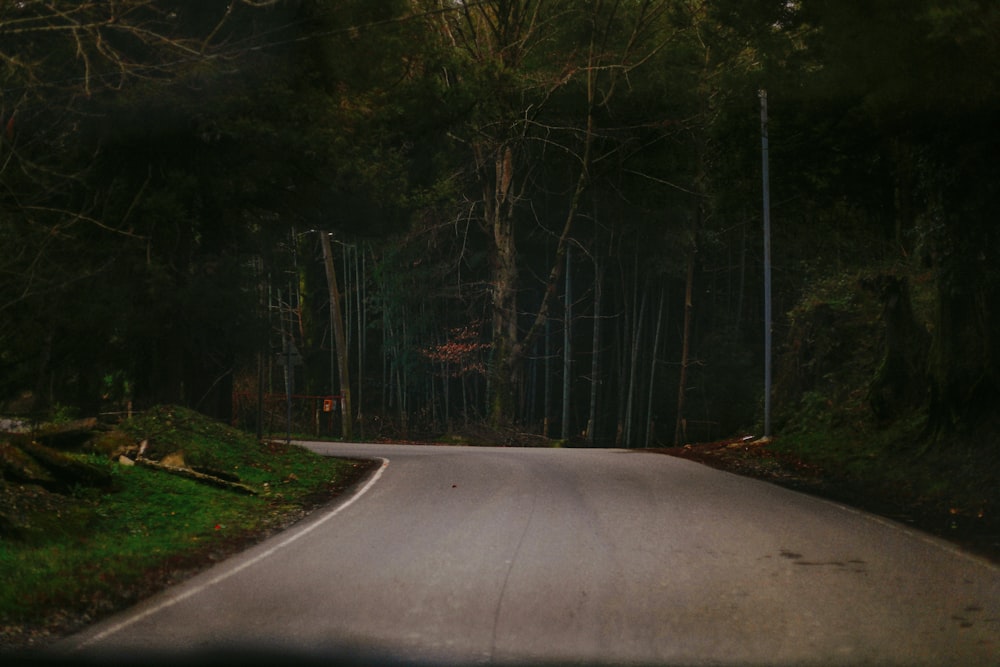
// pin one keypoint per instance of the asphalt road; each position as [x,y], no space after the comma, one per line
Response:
[468,555]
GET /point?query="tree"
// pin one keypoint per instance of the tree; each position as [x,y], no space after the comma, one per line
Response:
[905,78]
[92,194]
[540,96]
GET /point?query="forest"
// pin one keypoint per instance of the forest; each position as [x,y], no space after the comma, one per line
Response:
[541,217]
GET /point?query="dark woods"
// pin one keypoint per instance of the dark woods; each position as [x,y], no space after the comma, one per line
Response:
[545,217]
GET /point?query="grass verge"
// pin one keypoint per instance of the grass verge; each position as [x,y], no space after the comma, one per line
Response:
[93,551]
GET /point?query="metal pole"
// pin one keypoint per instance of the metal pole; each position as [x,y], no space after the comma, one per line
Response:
[767,264]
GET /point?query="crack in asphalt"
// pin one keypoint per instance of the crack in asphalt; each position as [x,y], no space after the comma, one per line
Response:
[506,578]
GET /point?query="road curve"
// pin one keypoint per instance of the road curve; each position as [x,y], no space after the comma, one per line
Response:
[466,555]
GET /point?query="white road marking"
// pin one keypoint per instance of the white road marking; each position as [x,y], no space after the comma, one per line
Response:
[169,602]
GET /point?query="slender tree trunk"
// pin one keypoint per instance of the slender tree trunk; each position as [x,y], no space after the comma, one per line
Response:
[742,284]
[402,382]
[270,331]
[529,413]
[359,265]
[547,366]
[680,430]
[333,348]
[463,385]
[386,370]
[430,397]
[500,210]
[622,348]
[447,398]
[633,369]
[567,348]
[341,340]
[595,360]
[652,367]
[286,347]
[510,351]
[260,397]
[346,295]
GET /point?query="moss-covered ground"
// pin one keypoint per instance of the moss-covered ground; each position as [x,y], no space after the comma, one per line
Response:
[87,552]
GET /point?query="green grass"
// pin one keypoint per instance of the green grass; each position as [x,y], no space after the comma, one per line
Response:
[97,550]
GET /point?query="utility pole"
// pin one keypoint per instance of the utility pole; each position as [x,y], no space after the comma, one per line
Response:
[340,338]
[767,264]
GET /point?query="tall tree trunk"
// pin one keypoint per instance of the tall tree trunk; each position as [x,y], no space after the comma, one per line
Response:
[680,430]
[288,366]
[504,33]
[362,328]
[547,369]
[500,217]
[340,338]
[446,375]
[738,324]
[465,398]
[634,368]
[529,411]
[347,301]
[595,360]
[652,367]
[386,369]
[402,382]
[359,267]
[567,347]
[509,352]
[622,348]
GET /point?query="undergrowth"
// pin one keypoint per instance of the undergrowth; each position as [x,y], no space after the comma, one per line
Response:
[826,372]
[96,551]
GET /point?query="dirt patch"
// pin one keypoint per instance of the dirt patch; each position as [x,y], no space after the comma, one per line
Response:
[978,533]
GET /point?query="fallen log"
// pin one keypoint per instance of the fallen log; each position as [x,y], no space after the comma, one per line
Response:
[70,435]
[67,469]
[211,480]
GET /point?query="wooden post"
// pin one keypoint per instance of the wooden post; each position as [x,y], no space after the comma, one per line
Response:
[339,337]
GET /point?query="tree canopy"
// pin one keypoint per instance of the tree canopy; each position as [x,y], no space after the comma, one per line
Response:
[532,204]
